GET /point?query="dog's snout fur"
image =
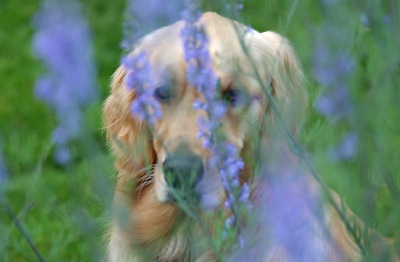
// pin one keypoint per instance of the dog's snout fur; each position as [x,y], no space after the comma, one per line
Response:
[183,171]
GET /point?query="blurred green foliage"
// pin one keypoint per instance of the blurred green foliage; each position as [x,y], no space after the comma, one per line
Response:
[66,211]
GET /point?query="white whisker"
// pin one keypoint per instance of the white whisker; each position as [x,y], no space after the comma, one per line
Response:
[146,180]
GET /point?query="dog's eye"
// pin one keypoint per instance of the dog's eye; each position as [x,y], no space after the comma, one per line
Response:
[162,93]
[231,96]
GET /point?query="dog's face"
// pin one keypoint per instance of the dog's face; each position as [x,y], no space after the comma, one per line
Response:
[248,64]
[181,158]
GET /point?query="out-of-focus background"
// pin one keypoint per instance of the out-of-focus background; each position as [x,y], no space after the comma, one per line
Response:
[352,136]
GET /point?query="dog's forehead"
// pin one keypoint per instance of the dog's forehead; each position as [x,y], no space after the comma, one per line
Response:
[165,48]
[224,37]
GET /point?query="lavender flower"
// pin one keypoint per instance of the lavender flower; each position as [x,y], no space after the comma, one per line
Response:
[3,171]
[336,104]
[200,73]
[225,159]
[229,221]
[245,193]
[145,106]
[364,19]
[333,64]
[294,222]
[333,67]
[332,71]
[235,7]
[367,20]
[347,149]
[62,42]
[289,212]
[3,168]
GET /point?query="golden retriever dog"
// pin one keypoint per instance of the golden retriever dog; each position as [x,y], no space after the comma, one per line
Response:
[148,224]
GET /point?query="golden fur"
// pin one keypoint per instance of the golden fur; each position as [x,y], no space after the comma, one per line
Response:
[145,221]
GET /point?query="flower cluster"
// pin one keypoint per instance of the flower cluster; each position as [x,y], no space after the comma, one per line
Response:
[235,7]
[224,159]
[290,212]
[368,20]
[62,41]
[333,68]
[145,106]
[296,221]
[3,168]
[347,148]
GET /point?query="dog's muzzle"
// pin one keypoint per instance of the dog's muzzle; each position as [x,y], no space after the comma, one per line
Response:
[183,171]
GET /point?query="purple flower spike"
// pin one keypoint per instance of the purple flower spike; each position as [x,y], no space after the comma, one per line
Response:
[290,213]
[295,223]
[332,70]
[347,149]
[62,41]
[224,159]
[3,168]
[229,221]
[62,155]
[139,78]
[245,194]
[236,7]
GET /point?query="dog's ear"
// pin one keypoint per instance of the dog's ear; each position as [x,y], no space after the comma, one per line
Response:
[287,80]
[129,137]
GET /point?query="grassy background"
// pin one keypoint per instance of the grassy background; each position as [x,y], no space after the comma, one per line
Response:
[65,211]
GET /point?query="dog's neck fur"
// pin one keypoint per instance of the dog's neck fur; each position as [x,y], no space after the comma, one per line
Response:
[157,232]
[181,246]
[184,247]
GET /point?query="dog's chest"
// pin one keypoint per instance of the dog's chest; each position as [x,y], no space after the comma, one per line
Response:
[186,248]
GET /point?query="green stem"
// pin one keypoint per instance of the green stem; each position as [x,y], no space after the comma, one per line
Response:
[22,230]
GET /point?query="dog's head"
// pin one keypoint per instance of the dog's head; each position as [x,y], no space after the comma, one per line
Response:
[170,155]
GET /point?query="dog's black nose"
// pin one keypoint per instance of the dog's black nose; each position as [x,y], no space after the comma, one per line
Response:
[182,172]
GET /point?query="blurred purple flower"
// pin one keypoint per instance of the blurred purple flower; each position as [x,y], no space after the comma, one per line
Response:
[332,71]
[347,149]
[336,104]
[289,224]
[364,20]
[144,16]
[331,68]
[245,194]
[62,41]
[235,7]
[294,222]
[3,171]
[333,64]
[368,21]
[229,221]
[386,19]
[3,167]
[62,155]
[139,77]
